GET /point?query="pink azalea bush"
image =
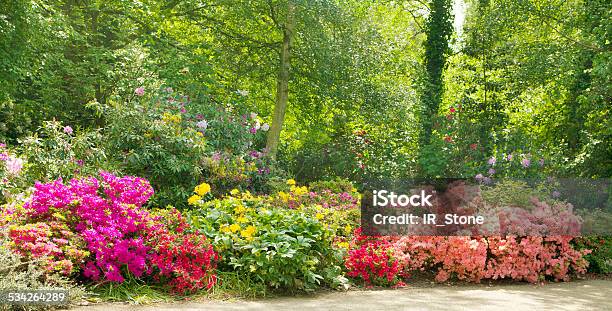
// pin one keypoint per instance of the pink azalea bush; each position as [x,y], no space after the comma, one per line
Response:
[53,242]
[111,226]
[543,219]
[103,229]
[531,258]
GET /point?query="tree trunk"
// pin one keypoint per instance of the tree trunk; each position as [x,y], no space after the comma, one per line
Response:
[439,29]
[282,84]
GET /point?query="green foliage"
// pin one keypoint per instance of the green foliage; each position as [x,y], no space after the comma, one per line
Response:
[58,151]
[517,193]
[337,185]
[55,151]
[600,258]
[438,30]
[132,291]
[156,143]
[530,77]
[282,249]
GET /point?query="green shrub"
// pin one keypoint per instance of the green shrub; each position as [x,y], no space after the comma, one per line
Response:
[515,193]
[283,249]
[600,258]
[176,141]
[337,185]
[56,151]
[156,143]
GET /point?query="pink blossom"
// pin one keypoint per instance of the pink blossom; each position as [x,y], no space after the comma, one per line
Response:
[492,161]
[202,124]
[139,91]
[14,165]
[265,127]
[525,162]
[68,130]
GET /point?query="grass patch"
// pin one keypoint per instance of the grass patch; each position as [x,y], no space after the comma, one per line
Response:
[132,291]
[235,285]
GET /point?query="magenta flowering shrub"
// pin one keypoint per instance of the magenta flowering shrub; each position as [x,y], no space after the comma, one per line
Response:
[103,228]
[110,226]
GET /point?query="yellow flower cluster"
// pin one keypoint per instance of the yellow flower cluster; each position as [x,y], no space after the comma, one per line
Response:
[348,229]
[299,190]
[284,196]
[202,189]
[194,199]
[248,232]
[240,215]
[343,245]
[171,118]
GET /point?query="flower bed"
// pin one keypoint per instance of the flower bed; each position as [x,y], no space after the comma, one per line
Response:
[294,240]
[100,229]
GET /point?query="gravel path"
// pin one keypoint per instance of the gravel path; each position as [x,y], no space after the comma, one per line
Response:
[576,295]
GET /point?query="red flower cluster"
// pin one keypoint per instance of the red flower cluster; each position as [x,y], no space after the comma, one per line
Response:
[187,260]
[373,261]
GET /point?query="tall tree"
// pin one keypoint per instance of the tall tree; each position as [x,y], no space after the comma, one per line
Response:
[438,30]
[282,85]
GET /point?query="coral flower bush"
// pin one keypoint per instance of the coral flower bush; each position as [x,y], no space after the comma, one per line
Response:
[473,259]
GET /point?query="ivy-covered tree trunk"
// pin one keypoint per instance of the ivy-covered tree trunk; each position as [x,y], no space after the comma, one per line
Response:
[282,85]
[438,30]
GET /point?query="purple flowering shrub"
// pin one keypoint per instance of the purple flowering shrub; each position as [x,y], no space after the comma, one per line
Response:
[102,228]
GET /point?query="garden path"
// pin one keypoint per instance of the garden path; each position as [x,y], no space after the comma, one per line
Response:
[575,295]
